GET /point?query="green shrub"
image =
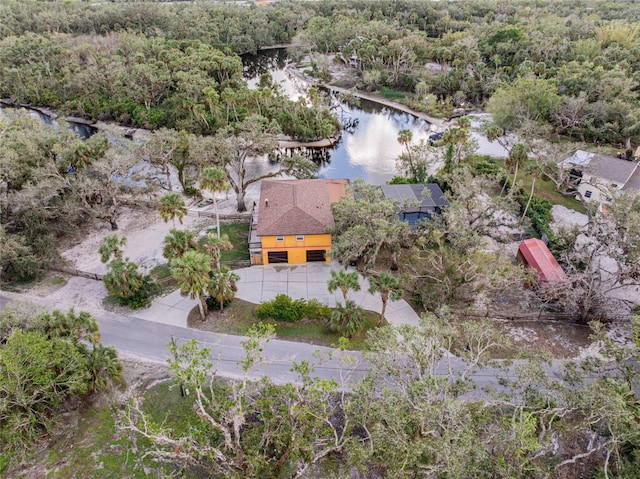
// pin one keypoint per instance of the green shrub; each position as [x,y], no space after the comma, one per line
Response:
[142,297]
[214,305]
[18,259]
[391,94]
[485,166]
[283,308]
[400,180]
[539,213]
[314,309]
[192,191]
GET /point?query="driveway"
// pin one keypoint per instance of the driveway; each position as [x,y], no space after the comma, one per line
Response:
[263,283]
[309,281]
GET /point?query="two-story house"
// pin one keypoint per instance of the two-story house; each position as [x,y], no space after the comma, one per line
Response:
[598,177]
[291,220]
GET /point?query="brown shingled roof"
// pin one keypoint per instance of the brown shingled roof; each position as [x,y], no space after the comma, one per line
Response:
[297,206]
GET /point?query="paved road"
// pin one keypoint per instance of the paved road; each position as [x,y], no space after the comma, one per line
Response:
[147,341]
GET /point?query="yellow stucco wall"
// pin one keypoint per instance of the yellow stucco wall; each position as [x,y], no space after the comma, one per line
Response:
[297,250]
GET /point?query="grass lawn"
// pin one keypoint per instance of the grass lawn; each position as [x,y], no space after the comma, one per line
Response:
[544,187]
[239,236]
[239,316]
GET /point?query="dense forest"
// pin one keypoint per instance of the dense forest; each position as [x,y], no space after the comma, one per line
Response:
[553,76]
[572,67]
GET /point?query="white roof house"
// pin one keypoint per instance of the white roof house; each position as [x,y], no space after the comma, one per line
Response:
[599,177]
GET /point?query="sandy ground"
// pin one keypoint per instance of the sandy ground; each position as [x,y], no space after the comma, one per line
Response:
[563,216]
[145,232]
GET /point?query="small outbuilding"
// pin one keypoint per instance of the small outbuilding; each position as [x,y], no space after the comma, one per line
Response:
[535,254]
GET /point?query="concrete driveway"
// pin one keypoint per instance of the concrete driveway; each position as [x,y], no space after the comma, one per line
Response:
[307,281]
[262,283]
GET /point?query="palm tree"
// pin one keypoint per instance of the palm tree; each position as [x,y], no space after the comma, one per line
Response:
[222,286]
[172,206]
[389,288]
[535,173]
[111,246]
[191,271]
[103,366]
[344,281]
[214,246]
[517,155]
[404,138]
[347,319]
[123,279]
[456,140]
[214,179]
[81,328]
[177,243]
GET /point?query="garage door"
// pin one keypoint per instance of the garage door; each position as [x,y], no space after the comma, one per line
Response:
[315,255]
[277,257]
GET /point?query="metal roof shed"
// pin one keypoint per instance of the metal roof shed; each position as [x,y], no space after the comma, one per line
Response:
[535,253]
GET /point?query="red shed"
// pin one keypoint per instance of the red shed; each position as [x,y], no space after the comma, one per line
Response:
[535,253]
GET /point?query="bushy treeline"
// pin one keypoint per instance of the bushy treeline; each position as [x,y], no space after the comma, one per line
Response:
[427,406]
[145,81]
[169,65]
[232,27]
[571,66]
[47,360]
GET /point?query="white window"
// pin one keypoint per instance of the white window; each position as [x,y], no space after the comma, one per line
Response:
[299,237]
[587,194]
[281,238]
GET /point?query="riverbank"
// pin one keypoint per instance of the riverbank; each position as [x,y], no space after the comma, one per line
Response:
[142,133]
[438,123]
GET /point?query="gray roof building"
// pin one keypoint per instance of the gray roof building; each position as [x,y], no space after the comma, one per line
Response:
[616,170]
[417,201]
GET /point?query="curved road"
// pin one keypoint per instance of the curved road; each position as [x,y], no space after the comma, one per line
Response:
[147,341]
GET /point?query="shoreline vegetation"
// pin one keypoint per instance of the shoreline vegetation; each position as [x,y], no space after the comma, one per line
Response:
[133,132]
[438,122]
[283,143]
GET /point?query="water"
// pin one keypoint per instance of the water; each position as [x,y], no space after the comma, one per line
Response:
[369,148]
[83,130]
[486,147]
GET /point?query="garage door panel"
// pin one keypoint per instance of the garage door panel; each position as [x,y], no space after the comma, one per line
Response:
[278,257]
[316,255]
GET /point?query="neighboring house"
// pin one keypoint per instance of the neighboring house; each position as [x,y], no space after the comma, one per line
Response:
[290,223]
[598,177]
[535,254]
[417,201]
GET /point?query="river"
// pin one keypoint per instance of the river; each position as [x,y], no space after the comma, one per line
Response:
[82,129]
[369,148]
